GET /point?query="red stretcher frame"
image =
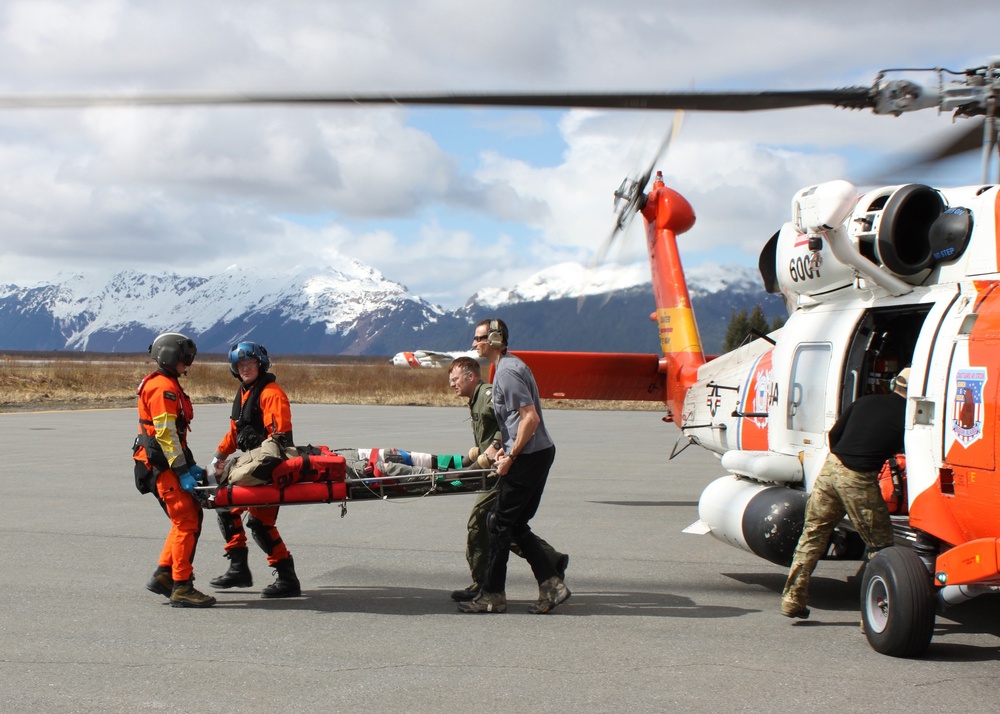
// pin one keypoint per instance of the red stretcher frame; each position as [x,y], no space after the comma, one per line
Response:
[343,488]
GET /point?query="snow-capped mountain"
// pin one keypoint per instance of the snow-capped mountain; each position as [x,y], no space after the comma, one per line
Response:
[566,280]
[572,280]
[353,309]
[345,310]
[545,311]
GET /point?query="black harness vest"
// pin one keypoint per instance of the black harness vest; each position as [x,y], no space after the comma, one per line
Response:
[248,416]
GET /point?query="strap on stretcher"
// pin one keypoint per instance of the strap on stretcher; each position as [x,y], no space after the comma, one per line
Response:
[416,486]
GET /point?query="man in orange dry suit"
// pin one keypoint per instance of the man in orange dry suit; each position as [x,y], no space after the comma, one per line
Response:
[260,410]
[164,466]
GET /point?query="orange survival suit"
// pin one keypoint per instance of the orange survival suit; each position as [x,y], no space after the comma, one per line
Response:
[161,456]
[249,425]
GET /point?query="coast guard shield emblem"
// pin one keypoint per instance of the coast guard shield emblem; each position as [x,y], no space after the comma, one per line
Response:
[967,415]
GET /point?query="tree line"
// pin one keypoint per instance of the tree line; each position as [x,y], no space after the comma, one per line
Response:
[743,326]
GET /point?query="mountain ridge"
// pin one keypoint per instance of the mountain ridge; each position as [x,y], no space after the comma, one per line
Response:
[352,309]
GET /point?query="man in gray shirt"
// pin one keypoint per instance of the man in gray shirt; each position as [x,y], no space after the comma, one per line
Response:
[465,378]
[523,466]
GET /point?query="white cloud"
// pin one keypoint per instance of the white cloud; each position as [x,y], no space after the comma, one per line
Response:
[444,202]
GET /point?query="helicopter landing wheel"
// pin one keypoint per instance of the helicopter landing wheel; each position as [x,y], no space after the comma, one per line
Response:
[897,603]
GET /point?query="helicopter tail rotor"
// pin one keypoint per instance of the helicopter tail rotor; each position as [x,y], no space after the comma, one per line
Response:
[630,197]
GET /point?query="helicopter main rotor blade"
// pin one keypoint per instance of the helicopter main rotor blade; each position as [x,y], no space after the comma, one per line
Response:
[963,142]
[969,140]
[662,149]
[848,97]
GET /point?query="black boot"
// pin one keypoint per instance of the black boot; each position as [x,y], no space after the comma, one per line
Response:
[238,575]
[286,584]
[162,583]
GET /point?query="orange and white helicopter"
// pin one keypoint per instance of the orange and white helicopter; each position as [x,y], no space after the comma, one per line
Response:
[902,275]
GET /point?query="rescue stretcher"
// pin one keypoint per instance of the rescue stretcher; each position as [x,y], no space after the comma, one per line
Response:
[330,483]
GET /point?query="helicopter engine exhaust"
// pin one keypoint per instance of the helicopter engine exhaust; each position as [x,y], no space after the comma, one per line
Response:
[762,519]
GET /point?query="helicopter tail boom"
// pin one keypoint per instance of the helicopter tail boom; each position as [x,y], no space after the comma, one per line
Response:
[667,215]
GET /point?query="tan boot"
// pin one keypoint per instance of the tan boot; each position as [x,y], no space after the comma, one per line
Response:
[552,592]
[794,610]
[185,595]
[485,602]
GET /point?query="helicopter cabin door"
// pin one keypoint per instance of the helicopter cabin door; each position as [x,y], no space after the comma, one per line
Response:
[805,415]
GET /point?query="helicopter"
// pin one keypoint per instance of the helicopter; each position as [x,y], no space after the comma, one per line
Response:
[897,276]
[903,275]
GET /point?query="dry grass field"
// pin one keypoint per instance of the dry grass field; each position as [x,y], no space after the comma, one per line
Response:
[59,380]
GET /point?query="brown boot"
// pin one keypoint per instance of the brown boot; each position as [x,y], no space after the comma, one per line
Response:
[485,602]
[466,594]
[552,592]
[794,610]
[185,595]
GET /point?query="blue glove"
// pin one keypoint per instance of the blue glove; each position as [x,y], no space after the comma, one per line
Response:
[199,475]
[187,482]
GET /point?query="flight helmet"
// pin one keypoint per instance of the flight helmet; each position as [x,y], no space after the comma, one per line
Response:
[170,349]
[248,350]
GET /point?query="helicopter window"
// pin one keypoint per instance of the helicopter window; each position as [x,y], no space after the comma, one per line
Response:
[807,392]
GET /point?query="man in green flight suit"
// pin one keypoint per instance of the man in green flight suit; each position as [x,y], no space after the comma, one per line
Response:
[465,378]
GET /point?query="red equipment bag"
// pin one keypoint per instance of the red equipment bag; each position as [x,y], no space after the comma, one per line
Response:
[892,483]
[316,476]
[308,492]
[317,463]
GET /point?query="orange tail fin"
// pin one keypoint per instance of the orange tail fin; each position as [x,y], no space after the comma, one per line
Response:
[667,215]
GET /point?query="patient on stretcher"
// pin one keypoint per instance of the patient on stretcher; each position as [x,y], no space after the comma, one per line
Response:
[280,466]
[399,464]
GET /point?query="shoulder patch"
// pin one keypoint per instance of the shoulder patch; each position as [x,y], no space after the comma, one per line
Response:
[170,395]
[488,392]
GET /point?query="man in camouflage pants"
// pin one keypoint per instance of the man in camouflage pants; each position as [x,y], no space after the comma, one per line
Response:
[868,432]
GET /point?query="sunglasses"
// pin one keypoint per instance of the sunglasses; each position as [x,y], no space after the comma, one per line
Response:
[480,338]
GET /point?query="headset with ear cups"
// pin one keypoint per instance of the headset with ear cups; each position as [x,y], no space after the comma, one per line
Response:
[495,337]
[900,380]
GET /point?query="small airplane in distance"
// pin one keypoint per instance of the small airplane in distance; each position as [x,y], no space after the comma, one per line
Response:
[429,358]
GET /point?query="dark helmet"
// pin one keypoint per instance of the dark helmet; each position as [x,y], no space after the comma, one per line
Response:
[169,349]
[248,350]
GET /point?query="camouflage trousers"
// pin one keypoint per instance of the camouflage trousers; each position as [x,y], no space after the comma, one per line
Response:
[477,548]
[838,490]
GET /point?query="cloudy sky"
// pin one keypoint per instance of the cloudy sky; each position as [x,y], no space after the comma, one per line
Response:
[442,200]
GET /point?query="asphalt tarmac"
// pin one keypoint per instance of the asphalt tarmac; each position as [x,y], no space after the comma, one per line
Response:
[658,620]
